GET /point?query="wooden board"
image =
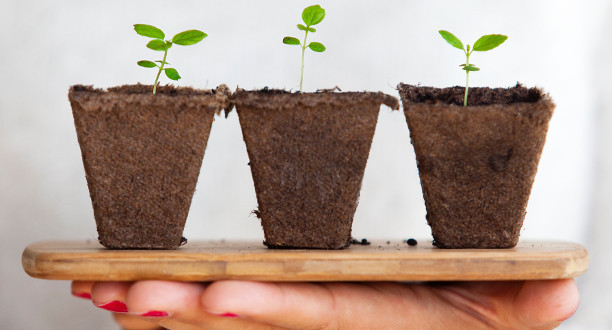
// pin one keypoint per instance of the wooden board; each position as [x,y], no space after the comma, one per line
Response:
[208,261]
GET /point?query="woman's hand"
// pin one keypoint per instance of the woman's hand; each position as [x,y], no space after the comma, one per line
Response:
[255,305]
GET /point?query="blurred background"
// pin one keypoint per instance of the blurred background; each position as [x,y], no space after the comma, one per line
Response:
[562,46]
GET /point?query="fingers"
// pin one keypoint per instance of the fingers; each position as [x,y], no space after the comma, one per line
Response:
[517,304]
[330,305]
[291,305]
[173,305]
[146,303]
[246,305]
[81,289]
[475,305]
[547,303]
[110,295]
[163,299]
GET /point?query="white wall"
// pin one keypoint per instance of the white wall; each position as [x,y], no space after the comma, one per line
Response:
[372,45]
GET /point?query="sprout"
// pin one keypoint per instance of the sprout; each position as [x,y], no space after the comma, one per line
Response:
[186,38]
[483,44]
[312,15]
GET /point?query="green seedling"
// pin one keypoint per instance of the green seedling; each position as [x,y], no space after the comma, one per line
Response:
[186,38]
[312,15]
[483,44]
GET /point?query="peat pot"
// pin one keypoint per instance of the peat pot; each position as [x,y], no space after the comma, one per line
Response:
[476,163]
[308,153]
[142,154]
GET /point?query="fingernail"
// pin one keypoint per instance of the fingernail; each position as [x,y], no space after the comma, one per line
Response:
[84,295]
[154,314]
[114,306]
[228,315]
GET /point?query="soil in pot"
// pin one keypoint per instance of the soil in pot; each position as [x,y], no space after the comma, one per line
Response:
[142,155]
[307,155]
[477,164]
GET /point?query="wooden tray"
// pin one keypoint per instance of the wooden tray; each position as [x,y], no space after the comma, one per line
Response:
[395,261]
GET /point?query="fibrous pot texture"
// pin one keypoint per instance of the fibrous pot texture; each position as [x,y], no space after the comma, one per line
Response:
[477,163]
[142,155]
[307,155]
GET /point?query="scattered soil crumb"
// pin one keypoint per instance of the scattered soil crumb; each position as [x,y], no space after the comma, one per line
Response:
[364,241]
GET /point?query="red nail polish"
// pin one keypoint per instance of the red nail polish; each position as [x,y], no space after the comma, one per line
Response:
[154,314]
[228,315]
[84,295]
[114,306]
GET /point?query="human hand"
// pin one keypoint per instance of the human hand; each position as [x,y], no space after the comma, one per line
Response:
[255,305]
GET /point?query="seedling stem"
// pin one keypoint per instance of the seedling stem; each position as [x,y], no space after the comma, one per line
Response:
[303,52]
[467,77]
[161,68]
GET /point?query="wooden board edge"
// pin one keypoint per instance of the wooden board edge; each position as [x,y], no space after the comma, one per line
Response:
[44,265]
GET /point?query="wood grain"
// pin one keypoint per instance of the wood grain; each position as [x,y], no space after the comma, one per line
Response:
[208,261]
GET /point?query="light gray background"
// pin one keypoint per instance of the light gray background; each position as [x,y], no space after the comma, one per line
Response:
[560,45]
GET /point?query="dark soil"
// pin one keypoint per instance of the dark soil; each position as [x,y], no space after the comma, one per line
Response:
[477,163]
[142,155]
[411,242]
[307,155]
[363,241]
[476,96]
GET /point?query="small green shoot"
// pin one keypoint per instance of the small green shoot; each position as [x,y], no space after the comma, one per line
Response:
[186,38]
[312,15]
[483,44]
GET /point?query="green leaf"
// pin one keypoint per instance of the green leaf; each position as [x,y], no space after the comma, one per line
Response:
[189,37]
[303,28]
[317,47]
[172,74]
[159,45]
[149,31]
[489,42]
[291,41]
[313,15]
[451,39]
[470,67]
[147,64]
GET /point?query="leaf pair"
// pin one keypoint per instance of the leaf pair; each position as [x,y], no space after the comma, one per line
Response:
[185,38]
[315,46]
[170,72]
[483,44]
[469,67]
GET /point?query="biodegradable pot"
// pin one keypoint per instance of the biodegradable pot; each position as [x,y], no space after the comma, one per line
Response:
[308,154]
[142,155]
[477,163]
